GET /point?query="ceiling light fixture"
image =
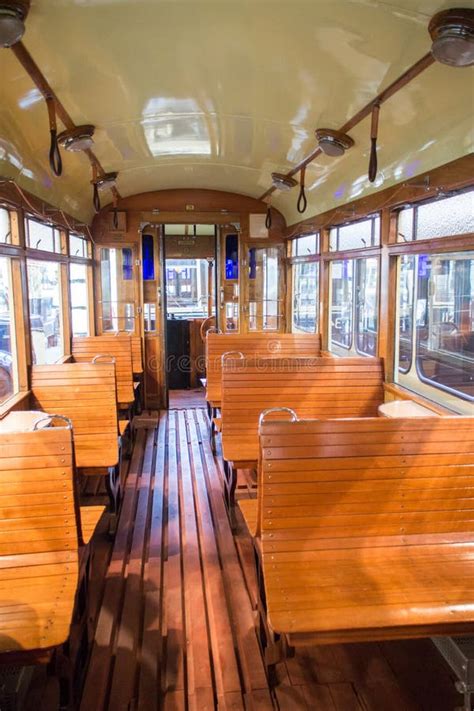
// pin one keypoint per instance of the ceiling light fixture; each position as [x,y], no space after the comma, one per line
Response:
[452,32]
[333,143]
[283,182]
[101,182]
[77,139]
[12,21]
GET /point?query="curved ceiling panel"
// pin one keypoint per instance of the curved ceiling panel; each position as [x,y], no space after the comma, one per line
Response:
[188,93]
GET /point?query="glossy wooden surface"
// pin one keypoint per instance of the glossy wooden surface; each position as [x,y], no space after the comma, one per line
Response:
[38,539]
[404,408]
[366,527]
[264,345]
[22,421]
[120,349]
[86,394]
[313,388]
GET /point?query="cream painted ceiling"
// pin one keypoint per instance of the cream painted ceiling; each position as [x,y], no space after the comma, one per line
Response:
[217,94]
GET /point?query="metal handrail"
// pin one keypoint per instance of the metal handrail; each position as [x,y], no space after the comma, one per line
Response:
[261,419]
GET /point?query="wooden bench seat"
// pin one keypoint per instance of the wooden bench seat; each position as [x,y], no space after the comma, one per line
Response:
[85,393]
[39,548]
[84,350]
[90,517]
[249,510]
[367,529]
[312,388]
[264,345]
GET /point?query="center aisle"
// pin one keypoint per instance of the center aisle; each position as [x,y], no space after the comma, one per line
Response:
[176,615]
[175,630]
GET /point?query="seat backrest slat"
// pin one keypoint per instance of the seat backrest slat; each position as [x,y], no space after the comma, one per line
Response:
[120,348]
[136,346]
[264,345]
[86,394]
[358,480]
[38,508]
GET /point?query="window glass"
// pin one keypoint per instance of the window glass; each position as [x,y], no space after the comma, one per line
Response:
[270,289]
[79,299]
[406,282]
[78,246]
[445,321]
[44,294]
[149,317]
[305,245]
[117,289]
[5,226]
[8,361]
[341,302]
[41,236]
[187,288]
[231,316]
[305,297]
[366,317]
[452,215]
[148,258]
[231,257]
[355,235]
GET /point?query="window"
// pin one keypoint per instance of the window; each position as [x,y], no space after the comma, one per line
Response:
[366,306]
[354,305]
[406,278]
[263,285]
[231,257]
[342,302]
[8,359]
[117,289]
[148,260]
[305,297]
[78,246]
[5,226]
[44,294]
[79,299]
[305,246]
[453,215]
[41,236]
[149,317]
[442,287]
[187,288]
[355,235]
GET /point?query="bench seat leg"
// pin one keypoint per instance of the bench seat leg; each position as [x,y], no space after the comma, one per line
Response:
[212,436]
[113,487]
[230,484]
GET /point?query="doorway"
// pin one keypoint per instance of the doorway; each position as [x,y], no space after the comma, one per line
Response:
[189,290]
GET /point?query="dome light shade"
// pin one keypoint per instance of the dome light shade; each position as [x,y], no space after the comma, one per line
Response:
[77,139]
[106,181]
[12,21]
[333,143]
[283,182]
[452,32]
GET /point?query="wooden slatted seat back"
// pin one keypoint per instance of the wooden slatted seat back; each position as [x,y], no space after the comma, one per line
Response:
[367,528]
[136,347]
[264,345]
[351,482]
[313,388]
[86,394]
[87,348]
[39,560]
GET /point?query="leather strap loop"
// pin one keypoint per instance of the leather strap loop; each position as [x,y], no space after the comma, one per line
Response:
[302,203]
[55,160]
[96,198]
[268,218]
[372,173]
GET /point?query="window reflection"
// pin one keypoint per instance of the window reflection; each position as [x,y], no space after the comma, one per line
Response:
[366,318]
[305,297]
[44,295]
[341,302]
[8,363]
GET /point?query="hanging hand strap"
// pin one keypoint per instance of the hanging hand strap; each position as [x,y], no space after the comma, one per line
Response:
[54,155]
[302,203]
[268,218]
[95,194]
[373,142]
[115,214]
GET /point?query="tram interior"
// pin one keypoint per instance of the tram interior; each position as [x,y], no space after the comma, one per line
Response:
[236,355]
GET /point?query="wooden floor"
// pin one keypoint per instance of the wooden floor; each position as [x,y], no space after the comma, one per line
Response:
[172,606]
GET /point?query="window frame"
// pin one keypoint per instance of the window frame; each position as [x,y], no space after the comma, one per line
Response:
[416,205]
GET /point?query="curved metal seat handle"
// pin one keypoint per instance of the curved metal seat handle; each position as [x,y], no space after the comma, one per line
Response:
[292,413]
[110,358]
[214,329]
[49,419]
[237,354]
